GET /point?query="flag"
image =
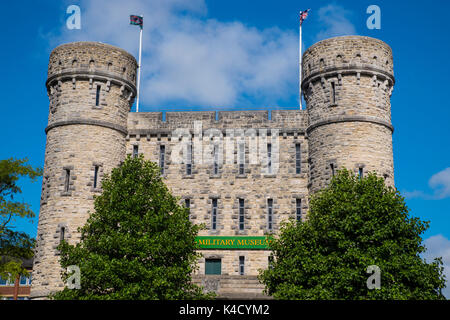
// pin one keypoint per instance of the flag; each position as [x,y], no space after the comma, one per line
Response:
[137,21]
[303,15]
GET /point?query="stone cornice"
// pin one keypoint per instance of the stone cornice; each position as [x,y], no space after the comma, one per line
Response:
[339,119]
[78,74]
[105,124]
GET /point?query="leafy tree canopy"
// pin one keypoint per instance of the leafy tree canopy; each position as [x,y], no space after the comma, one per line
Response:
[137,244]
[353,224]
[14,245]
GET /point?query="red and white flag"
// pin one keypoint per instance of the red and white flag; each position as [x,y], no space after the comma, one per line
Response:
[303,15]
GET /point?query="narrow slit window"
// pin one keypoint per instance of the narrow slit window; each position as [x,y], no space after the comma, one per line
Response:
[97,96]
[67,181]
[62,234]
[269,158]
[333,93]
[96,176]
[361,173]
[241,265]
[241,158]
[216,159]
[270,214]
[135,151]
[241,214]
[298,162]
[187,203]
[298,209]
[332,169]
[189,160]
[214,214]
[162,157]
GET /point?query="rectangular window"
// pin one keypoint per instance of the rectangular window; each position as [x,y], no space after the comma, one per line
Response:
[332,169]
[216,160]
[24,281]
[95,176]
[361,173]
[213,266]
[298,209]
[135,151]
[269,158]
[241,214]
[333,93]
[269,214]
[67,181]
[214,214]
[62,232]
[298,162]
[187,203]
[241,158]
[241,265]
[189,160]
[162,157]
[97,96]
[3,282]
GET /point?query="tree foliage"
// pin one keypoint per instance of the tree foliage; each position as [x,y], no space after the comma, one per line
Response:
[14,245]
[352,224]
[137,244]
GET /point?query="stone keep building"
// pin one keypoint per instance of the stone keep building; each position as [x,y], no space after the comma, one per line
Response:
[240,172]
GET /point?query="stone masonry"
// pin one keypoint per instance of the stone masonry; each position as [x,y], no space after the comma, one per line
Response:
[254,158]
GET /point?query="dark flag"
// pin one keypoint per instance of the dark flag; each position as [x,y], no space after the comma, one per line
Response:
[137,21]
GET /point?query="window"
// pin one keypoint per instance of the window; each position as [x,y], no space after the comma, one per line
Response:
[269,158]
[97,96]
[187,203]
[216,160]
[298,162]
[241,214]
[189,160]
[241,158]
[360,172]
[269,214]
[95,176]
[241,265]
[25,280]
[298,209]
[135,151]
[332,169]
[214,214]
[213,266]
[3,282]
[333,93]
[67,181]
[62,232]
[162,157]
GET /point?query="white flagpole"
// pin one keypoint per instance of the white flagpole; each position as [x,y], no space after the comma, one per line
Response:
[139,67]
[300,65]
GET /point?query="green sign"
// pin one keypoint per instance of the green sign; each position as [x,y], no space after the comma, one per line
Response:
[232,243]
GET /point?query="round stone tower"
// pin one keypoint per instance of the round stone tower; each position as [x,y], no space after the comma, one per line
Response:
[347,84]
[91,87]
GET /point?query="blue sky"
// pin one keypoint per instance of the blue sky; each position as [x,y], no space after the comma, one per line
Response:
[203,55]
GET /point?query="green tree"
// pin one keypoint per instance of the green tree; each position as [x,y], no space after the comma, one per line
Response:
[137,244]
[14,245]
[352,224]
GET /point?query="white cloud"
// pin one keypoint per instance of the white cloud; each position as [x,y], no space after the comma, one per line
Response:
[191,59]
[439,182]
[439,246]
[335,21]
